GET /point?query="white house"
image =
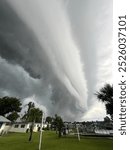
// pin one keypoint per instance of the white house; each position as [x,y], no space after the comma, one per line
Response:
[5,125]
[25,127]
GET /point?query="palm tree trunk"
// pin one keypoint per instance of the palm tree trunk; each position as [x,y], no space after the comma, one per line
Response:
[31,132]
[30,137]
[59,133]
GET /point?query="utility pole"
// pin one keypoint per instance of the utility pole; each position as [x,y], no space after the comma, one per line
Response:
[78,132]
[40,140]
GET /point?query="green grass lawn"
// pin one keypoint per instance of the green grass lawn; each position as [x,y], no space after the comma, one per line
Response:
[19,141]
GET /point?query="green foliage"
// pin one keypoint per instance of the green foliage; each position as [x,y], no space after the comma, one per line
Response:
[49,119]
[107,119]
[10,106]
[13,116]
[105,95]
[33,115]
[58,122]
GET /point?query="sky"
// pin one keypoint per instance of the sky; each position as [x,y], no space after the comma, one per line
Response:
[56,53]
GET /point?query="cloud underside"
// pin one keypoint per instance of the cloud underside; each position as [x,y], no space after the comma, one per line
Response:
[62,58]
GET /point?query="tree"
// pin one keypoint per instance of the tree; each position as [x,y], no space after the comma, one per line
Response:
[9,107]
[107,119]
[105,95]
[32,115]
[59,124]
[49,121]
[13,116]
[27,116]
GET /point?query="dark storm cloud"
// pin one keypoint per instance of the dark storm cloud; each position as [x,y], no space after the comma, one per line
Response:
[53,56]
[18,44]
[26,69]
[19,47]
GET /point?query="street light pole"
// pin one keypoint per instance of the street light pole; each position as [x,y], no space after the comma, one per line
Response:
[40,140]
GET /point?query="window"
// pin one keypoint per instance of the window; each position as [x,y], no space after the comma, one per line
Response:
[16,126]
[1,124]
[23,126]
[7,124]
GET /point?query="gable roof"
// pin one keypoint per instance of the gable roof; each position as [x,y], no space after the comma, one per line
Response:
[3,119]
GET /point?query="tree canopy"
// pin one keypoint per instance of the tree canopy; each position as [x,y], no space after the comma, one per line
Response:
[58,122]
[32,115]
[105,95]
[49,119]
[10,106]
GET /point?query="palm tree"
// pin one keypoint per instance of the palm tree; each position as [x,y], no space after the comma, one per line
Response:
[32,115]
[105,95]
[35,115]
[26,116]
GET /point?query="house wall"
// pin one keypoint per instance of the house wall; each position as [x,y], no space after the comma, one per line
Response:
[18,127]
[37,125]
[4,128]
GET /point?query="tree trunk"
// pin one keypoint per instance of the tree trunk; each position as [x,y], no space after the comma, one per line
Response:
[56,130]
[59,133]
[30,137]
[31,132]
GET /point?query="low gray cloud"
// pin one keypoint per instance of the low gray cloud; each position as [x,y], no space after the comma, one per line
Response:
[55,51]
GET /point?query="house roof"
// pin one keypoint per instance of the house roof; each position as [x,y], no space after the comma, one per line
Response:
[3,119]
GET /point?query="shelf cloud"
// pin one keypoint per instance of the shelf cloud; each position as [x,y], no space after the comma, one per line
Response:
[56,51]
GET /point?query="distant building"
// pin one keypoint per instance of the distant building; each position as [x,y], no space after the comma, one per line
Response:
[92,127]
[5,125]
